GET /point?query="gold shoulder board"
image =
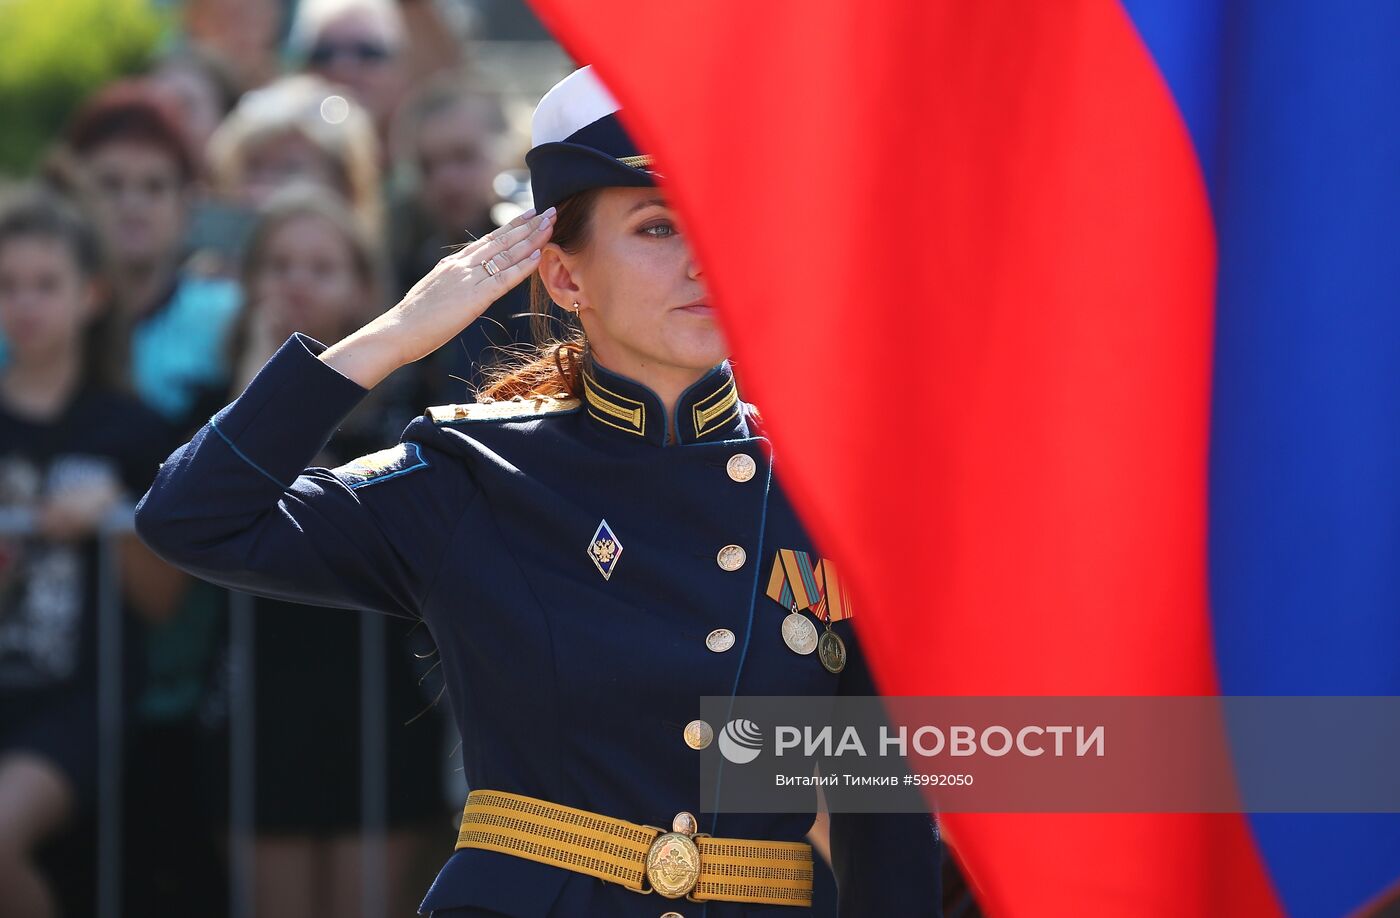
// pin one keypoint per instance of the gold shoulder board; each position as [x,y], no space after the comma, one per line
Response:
[511,409]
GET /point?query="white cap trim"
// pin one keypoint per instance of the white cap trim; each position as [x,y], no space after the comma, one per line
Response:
[573,103]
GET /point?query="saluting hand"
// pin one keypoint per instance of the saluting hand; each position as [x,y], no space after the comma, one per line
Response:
[450,297]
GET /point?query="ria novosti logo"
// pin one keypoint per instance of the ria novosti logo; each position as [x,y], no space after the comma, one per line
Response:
[741,741]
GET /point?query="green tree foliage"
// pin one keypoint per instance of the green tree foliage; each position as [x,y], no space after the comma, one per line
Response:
[53,53]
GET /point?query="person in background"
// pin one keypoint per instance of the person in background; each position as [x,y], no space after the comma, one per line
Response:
[299,128]
[357,44]
[440,36]
[137,172]
[242,35]
[311,268]
[309,264]
[73,447]
[202,88]
[452,132]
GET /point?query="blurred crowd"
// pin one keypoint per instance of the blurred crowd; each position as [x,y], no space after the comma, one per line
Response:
[283,166]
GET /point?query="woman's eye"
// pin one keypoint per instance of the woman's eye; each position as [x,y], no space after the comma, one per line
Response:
[669,230]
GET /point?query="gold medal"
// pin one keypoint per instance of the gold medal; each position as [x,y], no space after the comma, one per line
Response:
[831,650]
[799,633]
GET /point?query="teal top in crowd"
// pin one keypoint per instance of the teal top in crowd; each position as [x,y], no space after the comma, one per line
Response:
[178,351]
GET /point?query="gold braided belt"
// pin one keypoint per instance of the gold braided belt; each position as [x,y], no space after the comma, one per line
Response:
[641,858]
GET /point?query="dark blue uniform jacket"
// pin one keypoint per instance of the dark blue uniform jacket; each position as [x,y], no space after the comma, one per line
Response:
[565,684]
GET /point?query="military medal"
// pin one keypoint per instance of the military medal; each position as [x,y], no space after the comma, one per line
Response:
[797,584]
[831,650]
[793,584]
[799,633]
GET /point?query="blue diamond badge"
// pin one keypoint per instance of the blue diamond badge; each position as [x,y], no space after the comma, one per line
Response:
[604,549]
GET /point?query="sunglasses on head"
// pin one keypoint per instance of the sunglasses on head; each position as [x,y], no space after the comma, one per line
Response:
[361,51]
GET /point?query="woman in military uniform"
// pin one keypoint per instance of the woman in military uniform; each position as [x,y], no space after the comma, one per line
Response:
[594,549]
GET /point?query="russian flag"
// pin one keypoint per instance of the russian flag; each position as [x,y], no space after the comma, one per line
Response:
[1077,325]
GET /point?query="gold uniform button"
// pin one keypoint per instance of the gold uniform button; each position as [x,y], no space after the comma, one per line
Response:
[731,557]
[720,640]
[698,734]
[741,467]
[685,823]
[672,915]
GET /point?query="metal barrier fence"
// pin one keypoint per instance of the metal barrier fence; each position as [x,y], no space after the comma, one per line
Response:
[19,523]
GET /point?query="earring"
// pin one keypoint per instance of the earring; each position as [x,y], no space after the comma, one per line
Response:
[575,307]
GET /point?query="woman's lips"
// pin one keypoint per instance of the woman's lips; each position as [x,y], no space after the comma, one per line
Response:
[699,309]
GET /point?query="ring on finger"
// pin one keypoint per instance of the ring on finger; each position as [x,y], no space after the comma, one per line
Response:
[490,266]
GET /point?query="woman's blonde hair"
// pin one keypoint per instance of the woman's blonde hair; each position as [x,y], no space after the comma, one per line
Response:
[554,364]
[342,130]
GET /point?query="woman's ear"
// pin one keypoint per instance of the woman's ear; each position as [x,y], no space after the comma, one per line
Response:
[557,274]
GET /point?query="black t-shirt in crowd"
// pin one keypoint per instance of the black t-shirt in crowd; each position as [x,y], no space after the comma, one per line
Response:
[48,589]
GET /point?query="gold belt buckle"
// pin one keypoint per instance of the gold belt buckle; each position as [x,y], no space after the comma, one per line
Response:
[673,860]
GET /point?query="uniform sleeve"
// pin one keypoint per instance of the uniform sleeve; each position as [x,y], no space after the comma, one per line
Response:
[885,863]
[237,507]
